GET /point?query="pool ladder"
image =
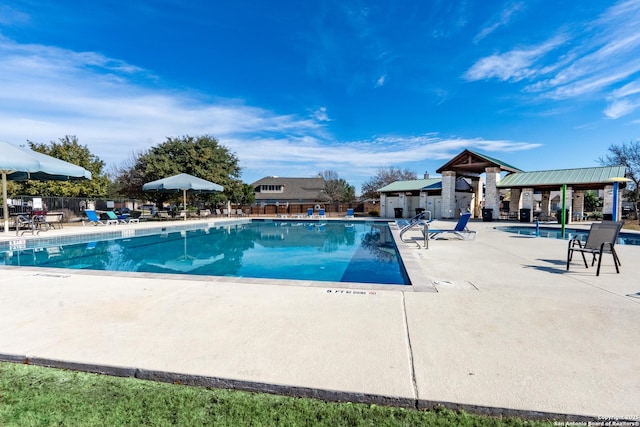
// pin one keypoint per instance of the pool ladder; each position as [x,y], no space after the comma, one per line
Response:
[418,220]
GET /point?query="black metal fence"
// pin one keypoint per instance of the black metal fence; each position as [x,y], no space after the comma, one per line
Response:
[73,207]
[70,206]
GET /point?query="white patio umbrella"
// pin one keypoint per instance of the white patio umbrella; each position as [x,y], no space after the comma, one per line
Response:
[22,164]
[182,182]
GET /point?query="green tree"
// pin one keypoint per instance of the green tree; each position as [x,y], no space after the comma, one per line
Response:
[69,150]
[201,156]
[240,193]
[337,188]
[591,201]
[629,156]
[385,176]
[128,179]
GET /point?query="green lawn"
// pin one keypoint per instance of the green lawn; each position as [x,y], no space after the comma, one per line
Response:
[37,396]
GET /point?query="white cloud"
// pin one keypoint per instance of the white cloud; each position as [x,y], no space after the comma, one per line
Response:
[515,65]
[50,92]
[623,101]
[381,80]
[599,56]
[505,17]
[620,108]
[12,16]
[321,115]
[117,109]
[629,89]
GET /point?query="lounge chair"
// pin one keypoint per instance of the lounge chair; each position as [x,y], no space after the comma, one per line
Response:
[112,218]
[134,216]
[601,239]
[54,219]
[310,213]
[123,218]
[40,222]
[164,215]
[321,213]
[131,218]
[460,230]
[92,218]
[26,224]
[349,213]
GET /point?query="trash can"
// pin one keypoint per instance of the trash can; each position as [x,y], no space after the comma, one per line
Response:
[487,214]
[398,212]
[566,216]
[525,215]
[607,217]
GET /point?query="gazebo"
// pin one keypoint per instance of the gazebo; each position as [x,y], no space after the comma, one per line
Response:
[471,164]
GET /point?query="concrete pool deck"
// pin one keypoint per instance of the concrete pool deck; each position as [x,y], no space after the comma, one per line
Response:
[509,330]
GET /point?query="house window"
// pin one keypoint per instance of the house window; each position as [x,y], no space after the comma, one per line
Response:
[271,188]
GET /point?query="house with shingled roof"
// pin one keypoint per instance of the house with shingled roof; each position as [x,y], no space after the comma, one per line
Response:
[282,195]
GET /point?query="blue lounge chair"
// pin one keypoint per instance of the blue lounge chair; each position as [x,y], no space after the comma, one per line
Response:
[310,212]
[321,213]
[92,218]
[460,230]
[349,213]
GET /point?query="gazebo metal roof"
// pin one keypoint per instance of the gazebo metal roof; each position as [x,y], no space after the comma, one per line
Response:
[410,185]
[581,178]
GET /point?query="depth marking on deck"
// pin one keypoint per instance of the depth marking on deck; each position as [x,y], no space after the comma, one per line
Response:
[349,292]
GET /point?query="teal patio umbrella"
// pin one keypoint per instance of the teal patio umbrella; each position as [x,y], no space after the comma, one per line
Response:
[182,182]
[22,164]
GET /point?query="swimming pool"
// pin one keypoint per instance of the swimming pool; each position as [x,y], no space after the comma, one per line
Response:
[362,252]
[570,233]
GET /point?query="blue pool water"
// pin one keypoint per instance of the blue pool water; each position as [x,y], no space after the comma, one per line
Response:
[331,251]
[570,233]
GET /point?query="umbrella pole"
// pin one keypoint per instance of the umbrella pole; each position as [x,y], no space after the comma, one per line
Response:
[5,205]
[184,198]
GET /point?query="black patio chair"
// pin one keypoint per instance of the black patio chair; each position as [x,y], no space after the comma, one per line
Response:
[601,239]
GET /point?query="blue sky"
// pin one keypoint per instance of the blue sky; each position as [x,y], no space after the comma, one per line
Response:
[296,87]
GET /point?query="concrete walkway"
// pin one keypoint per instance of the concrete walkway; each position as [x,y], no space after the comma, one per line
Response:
[509,331]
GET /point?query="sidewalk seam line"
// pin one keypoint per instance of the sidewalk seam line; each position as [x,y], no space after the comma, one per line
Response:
[414,381]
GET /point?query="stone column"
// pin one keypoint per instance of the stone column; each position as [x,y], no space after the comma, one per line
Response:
[577,206]
[383,206]
[515,202]
[607,203]
[476,183]
[448,194]
[546,203]
[568,203]
[492,197]
[527,202]
[402,203]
